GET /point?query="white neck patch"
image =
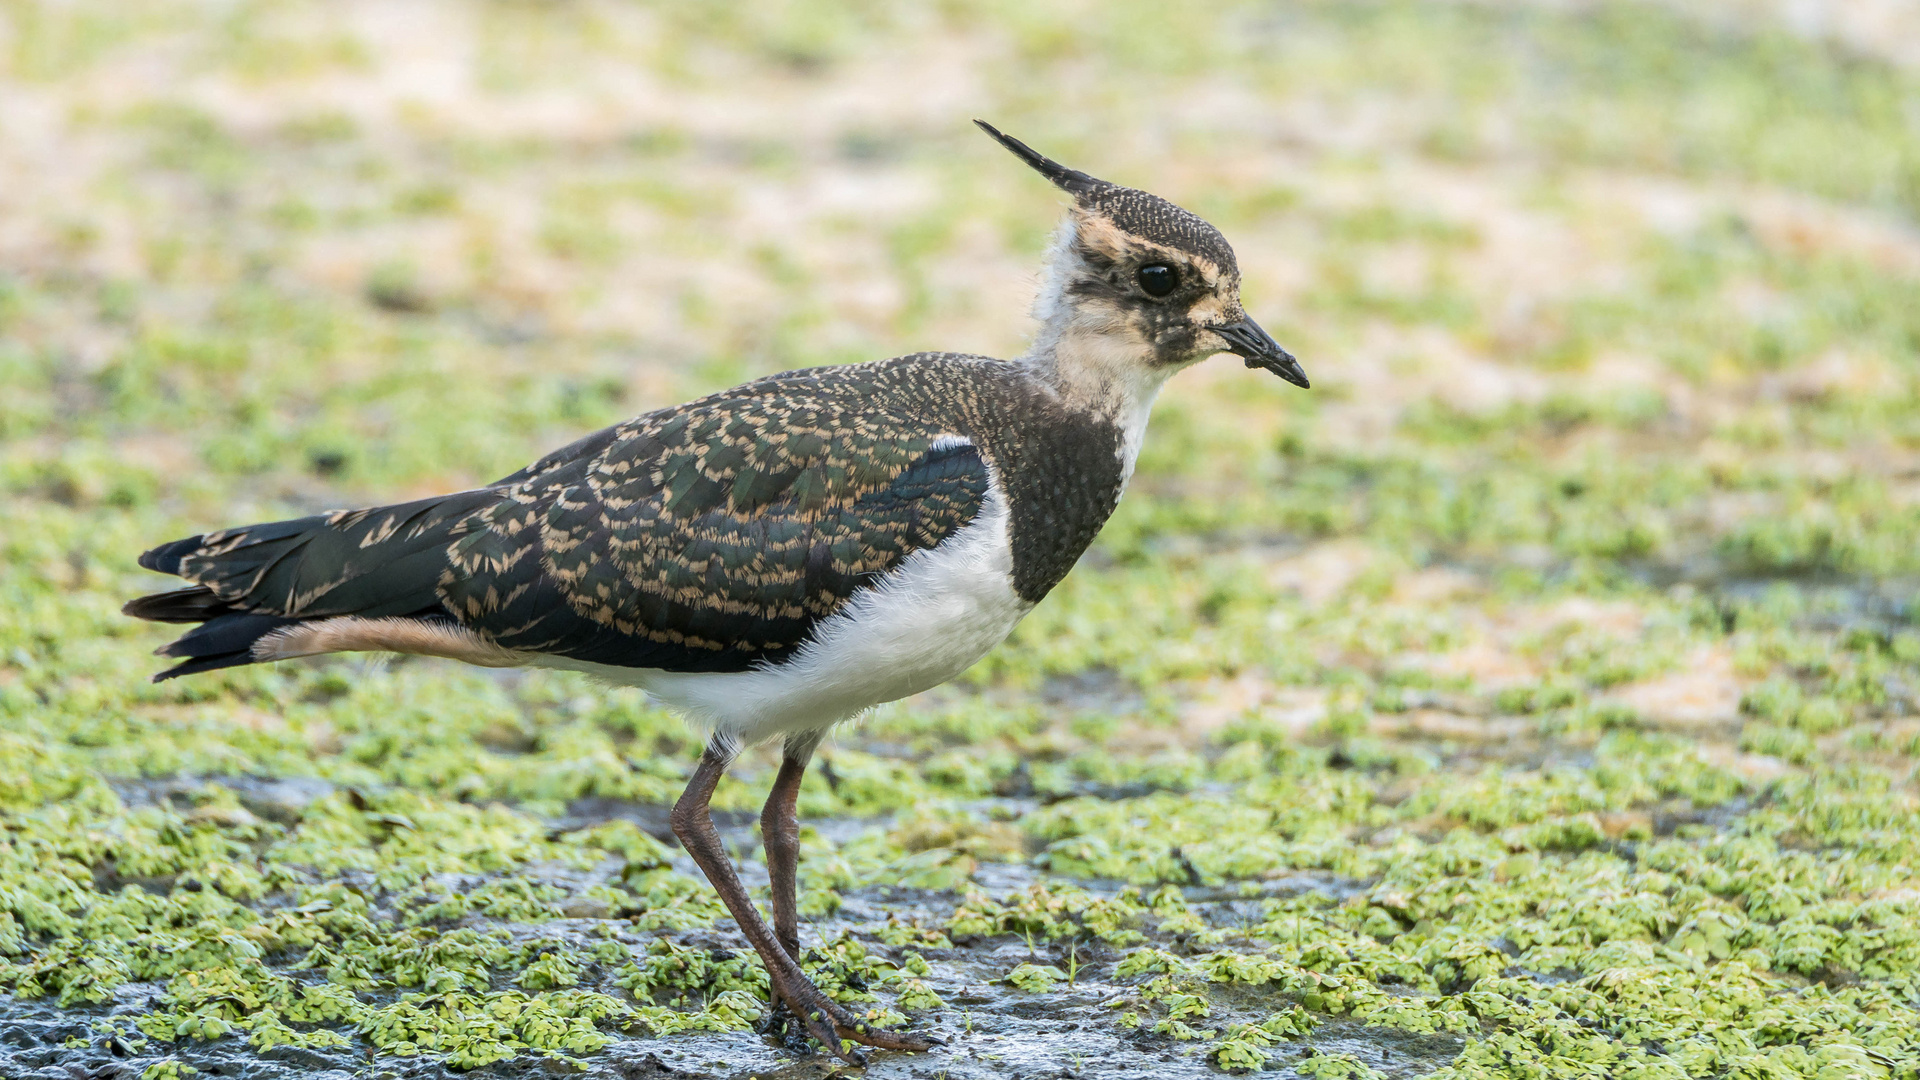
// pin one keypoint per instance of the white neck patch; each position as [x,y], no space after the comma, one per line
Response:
[1090,355]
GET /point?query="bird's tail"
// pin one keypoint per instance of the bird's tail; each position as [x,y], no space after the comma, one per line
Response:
[251,581]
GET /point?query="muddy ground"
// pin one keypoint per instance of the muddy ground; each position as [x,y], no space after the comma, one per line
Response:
[1537,696]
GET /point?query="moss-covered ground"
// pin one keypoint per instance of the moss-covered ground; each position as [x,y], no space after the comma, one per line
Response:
[1538,696]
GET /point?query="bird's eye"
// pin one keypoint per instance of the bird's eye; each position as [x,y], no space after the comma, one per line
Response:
[1158,279]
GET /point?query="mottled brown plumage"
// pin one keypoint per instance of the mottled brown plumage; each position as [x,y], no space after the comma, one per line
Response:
[702,537]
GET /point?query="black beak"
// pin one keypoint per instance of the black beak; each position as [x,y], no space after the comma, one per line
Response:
[1246,340]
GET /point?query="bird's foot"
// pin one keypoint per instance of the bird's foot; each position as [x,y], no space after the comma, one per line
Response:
[784,1028]
[829,1022]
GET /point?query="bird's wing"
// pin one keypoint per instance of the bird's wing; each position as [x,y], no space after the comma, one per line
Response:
[705,537]
[700,538]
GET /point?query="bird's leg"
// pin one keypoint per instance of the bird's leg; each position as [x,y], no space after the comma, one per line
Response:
[824,1018]
[780,832]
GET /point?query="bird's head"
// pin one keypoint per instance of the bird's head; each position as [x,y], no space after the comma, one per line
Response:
[1133,266]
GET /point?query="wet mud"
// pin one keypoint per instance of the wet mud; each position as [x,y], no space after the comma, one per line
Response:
[988,1028]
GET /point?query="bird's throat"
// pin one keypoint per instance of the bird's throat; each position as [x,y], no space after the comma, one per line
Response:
[1098,367]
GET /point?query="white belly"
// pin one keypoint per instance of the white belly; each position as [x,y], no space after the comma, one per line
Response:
[928,620]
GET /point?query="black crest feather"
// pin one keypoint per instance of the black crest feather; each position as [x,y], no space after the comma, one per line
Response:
[1141,213]
[1074,181]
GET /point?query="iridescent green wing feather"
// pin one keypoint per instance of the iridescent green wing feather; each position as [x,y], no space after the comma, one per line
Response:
[714,535]
[703,538]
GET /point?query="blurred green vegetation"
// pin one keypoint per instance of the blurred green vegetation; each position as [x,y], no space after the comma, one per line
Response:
[1563,634]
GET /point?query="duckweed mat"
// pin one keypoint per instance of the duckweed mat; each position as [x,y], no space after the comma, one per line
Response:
[1537,697]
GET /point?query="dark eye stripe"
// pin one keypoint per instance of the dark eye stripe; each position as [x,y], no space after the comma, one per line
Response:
[1158,279]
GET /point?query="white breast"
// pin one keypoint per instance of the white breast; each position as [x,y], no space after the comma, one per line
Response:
[931,618]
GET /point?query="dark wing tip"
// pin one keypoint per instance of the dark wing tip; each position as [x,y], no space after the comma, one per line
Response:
[205,663]
[194,604]
[224,641]
[1070,180]
[166,558]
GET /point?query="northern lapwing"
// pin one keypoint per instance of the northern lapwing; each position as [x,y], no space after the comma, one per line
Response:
[776,558]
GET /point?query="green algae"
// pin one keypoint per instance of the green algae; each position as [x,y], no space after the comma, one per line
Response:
[1353,731]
